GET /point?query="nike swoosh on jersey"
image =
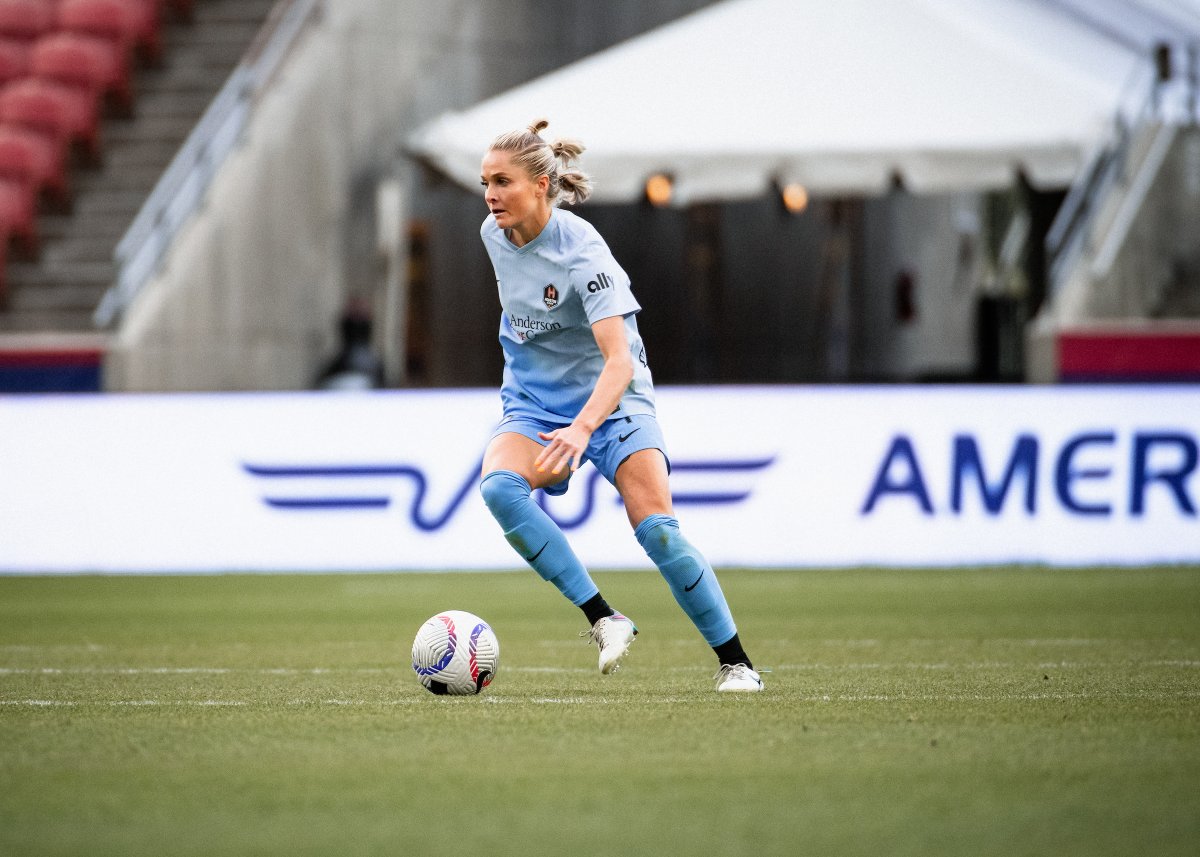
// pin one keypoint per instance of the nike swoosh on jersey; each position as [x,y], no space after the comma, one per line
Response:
[694,582]
[621,438]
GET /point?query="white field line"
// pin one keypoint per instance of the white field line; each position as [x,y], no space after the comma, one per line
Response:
[58,647]
[847,643]
[190,703]
[1156,696]
[194,670]
[999,641]
[403,668]
[68,703]
[660,700]
[988,665]
[265,670]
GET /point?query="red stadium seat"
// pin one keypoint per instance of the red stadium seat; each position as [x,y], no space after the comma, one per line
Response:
[88,63]
[130,24]
[25,20]
[18,108]
[3,271]
[65,115]
[18,215]
[30,157]
[14,60]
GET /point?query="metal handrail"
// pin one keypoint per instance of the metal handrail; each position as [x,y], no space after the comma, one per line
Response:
[182,186]
[1140,102]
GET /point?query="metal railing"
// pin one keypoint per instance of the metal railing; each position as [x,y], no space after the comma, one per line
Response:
[184,183]
[1152,94]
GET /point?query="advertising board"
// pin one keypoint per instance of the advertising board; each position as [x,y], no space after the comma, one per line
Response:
[761,476]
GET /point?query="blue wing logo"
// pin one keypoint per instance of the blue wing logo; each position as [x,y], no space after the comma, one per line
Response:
[290,488]
[277,477]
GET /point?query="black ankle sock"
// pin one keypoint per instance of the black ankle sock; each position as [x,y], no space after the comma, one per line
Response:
[731,652]
[596,608]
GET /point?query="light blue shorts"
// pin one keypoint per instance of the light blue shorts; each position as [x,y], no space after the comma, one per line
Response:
[610,445]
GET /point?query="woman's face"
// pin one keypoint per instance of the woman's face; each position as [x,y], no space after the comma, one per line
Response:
[514,199]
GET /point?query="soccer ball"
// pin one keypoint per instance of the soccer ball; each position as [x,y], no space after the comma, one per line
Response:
[455,653]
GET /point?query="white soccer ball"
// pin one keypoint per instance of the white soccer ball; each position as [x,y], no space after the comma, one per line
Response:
[455,653]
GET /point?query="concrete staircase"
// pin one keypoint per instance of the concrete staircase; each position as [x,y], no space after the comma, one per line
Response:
[59,292]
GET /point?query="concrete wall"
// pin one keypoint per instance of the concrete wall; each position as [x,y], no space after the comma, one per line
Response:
[1154,281]
[1156,273]
[923,273]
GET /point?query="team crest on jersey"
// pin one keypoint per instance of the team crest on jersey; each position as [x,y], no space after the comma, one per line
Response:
[550,296]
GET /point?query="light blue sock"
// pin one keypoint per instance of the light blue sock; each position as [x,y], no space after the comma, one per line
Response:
[690,577]
[534,535]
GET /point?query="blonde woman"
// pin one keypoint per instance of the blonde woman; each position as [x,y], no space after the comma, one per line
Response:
[576,388]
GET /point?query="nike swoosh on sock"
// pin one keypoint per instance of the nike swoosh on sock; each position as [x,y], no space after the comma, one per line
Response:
[539,553]
[695,583]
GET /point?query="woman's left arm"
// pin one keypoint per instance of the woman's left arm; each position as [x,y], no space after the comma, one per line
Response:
[567,445]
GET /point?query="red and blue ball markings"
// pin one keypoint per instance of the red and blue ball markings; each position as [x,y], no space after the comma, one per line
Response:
[473,649]
[452,647]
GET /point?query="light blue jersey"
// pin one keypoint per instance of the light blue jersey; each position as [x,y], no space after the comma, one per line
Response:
[552,291]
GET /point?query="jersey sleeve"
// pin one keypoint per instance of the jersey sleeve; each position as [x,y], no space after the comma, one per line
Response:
[602,285]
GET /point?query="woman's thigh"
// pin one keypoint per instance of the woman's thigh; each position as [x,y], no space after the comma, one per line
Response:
[516,453]
[642,482]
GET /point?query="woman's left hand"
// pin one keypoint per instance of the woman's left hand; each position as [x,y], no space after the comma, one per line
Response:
[565,446]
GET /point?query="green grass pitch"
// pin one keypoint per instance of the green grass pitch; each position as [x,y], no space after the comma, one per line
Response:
[908,712]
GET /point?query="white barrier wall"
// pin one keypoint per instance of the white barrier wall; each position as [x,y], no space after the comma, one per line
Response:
[781,476]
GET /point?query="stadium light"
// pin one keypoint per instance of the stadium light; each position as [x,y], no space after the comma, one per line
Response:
[659,189]
[794,197]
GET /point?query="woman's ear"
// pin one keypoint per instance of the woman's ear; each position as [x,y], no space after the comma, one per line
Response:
[543,184]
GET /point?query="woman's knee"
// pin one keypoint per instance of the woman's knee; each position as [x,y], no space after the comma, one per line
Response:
[503,491]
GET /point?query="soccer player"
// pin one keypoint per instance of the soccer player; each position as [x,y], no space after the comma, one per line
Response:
[577,388]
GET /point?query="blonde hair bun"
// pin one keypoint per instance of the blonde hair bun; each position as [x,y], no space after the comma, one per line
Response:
[539,158]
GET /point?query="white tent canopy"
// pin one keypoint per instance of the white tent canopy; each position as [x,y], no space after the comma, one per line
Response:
[841,97]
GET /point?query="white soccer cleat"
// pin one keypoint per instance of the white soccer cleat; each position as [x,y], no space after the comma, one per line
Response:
[737,678]
[612,634]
